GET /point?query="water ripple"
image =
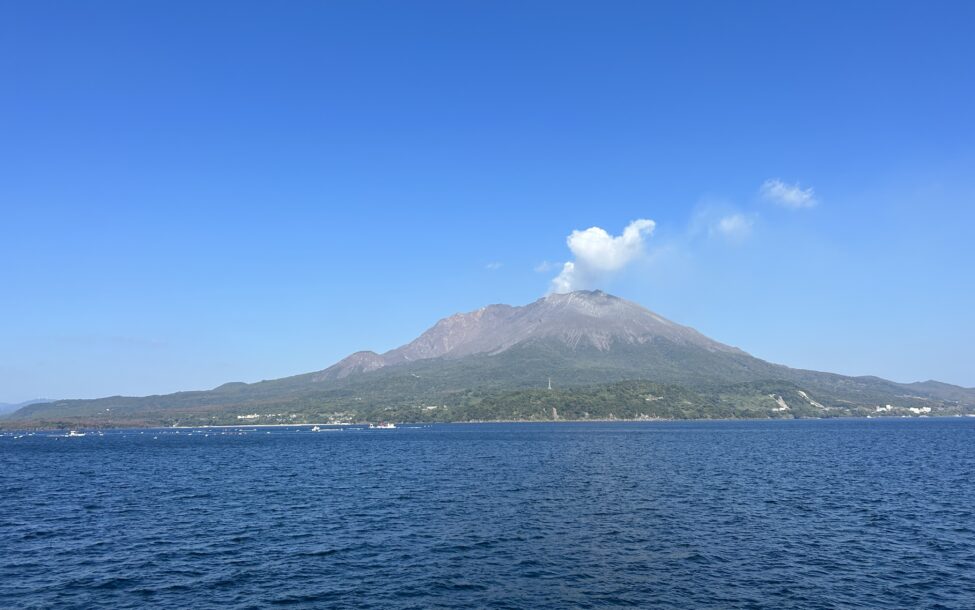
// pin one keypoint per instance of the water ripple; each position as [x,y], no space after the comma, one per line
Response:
[812,514]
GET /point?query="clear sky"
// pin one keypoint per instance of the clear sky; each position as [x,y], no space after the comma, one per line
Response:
[198,192]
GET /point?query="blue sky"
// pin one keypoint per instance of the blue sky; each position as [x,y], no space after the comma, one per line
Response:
[193,193]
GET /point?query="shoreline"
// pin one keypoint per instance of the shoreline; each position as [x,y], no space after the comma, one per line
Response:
[83,426]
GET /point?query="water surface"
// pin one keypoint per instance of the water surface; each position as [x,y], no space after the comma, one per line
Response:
[769,514]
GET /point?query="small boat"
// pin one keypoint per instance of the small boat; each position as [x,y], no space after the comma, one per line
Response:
[316,429]
[382,426]
[74,433]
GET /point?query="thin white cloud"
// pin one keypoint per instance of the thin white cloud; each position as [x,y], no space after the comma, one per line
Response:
[733,227]
[787,195]
[599,254]
[545,267]
[717,219]
[493,266]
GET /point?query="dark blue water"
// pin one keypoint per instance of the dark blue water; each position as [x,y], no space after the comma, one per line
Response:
[812,514]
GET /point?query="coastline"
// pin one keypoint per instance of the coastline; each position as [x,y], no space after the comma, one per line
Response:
[4,426]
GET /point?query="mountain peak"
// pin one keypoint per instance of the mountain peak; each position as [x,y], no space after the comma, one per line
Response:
[590,302]
[359,362]
[579,319]
[583,295]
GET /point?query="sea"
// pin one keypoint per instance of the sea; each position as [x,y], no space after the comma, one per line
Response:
[841,513]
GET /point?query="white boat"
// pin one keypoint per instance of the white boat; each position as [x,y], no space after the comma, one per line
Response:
[74,433]
[316,429]
[382,426]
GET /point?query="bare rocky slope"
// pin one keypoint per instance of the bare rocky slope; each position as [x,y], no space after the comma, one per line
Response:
[577,320]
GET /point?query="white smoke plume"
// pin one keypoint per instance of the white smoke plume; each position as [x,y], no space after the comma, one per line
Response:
[599,254]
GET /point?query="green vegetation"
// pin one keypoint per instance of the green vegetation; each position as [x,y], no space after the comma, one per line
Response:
[656,380]
[641,400]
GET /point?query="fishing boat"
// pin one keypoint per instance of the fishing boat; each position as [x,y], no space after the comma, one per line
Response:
[382,426]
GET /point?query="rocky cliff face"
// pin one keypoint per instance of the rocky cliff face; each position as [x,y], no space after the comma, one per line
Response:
[577,319]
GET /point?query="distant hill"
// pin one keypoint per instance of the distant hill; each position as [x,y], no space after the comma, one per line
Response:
[605,357]
[7,407]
